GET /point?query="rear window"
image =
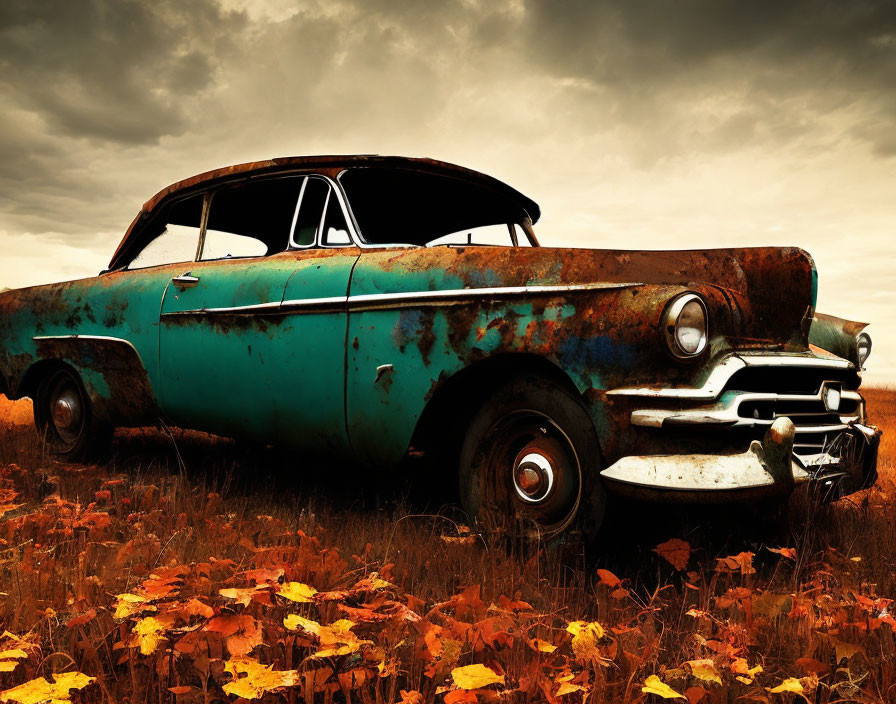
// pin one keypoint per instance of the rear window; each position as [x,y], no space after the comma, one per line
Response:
[401,206]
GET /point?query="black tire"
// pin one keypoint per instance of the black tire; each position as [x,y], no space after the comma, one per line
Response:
[530,461]
[64,418]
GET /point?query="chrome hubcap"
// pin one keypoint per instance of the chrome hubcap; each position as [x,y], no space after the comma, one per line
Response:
[533,476]
[66,412]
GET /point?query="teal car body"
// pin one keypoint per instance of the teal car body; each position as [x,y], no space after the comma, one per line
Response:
[371,331]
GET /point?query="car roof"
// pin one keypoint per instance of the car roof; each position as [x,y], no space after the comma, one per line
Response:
[289,163]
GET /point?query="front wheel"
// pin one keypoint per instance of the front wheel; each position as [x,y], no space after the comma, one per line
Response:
[64,417]
[530,460]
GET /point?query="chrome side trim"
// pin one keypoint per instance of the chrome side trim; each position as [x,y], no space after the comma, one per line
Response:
[454,296]
[377,301]
[101,338]
[291,306]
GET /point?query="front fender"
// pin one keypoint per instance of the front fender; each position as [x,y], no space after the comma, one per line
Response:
[836,335]
[403,352]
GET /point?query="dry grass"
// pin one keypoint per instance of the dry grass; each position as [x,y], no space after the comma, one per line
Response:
[201,514]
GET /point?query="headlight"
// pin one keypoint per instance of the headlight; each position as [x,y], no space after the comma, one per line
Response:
[863,345]
[685,325]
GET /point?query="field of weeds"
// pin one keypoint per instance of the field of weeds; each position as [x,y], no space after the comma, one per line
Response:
[191,569]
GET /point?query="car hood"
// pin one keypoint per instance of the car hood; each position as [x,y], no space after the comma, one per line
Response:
[759,297]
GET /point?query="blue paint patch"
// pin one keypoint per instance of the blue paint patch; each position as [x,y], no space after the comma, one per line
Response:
[593,352]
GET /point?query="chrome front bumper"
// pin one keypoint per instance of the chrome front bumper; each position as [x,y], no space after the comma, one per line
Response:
[811,430]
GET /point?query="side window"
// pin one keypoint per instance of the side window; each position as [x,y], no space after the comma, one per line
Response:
[251,219]
[177,238]
[335,231]
[308,214]
[496,235]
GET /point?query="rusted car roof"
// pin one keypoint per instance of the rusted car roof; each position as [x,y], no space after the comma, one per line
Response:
[333,163]
[345,161]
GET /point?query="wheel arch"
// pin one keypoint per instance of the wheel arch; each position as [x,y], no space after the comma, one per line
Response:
[458,396]
[110,370]
[36,372]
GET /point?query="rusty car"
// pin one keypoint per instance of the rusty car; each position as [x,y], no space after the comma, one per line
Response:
[367,308]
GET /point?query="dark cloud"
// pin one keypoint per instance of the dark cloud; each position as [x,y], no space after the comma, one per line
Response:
[645,123]
[655,53]
[119,70]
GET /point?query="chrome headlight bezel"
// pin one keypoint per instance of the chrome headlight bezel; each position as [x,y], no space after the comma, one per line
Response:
[863,339]
[671,321]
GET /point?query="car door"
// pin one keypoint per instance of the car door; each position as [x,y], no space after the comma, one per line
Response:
[252,334]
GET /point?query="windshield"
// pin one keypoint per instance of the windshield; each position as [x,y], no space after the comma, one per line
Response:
[403,206]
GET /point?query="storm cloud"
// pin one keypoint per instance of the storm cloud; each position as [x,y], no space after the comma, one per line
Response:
[635,123]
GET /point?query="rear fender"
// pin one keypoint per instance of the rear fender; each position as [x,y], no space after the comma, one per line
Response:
[111,370]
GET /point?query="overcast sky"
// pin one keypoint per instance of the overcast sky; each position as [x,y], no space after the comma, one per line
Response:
[634,123]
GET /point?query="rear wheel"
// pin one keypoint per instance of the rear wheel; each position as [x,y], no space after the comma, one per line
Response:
[529,463]
[65,419]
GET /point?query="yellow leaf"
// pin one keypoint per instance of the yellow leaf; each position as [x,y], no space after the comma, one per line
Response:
[569,688]
[148,634]
[343,625]
[41,691]
[705,670]
[9,659]
[654,685]
[585,636]
[791,684]
[251,679]
[16,653]
[129,604]
[294,622]
[296,591]
[475,676]
[241,596]
[338,639]
[543,645]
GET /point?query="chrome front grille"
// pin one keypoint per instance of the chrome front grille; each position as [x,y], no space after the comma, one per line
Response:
[798,394]
[761,390]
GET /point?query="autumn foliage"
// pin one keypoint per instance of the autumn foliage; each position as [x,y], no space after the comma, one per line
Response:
[138,581]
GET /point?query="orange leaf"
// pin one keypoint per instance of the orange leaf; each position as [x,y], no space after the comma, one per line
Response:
[811,666]
[695,694]
[461,696]
[608,578]
[675,551]
[789,553]
[240,632]
[742,562]
[81,619]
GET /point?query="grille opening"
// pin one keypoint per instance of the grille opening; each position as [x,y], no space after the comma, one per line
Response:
[800,412]
[790,380]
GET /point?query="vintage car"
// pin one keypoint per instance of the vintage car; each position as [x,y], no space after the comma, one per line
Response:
[368,308]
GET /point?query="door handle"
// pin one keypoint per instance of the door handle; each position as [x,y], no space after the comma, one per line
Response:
[185,280]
